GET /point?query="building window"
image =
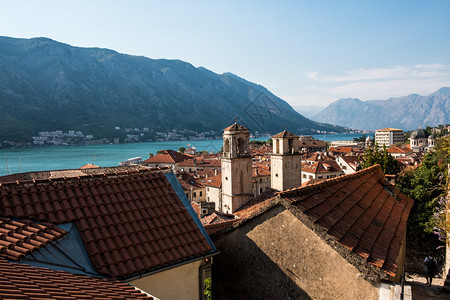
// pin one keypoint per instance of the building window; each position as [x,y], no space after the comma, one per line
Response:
[304,176]
[200,193]
[195,194]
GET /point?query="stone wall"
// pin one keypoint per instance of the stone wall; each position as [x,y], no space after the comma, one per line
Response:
[275,256]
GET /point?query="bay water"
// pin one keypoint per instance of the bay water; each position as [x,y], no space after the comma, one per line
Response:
[20,160]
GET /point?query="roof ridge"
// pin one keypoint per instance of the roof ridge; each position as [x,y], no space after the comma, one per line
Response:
[331,181]
[87,176]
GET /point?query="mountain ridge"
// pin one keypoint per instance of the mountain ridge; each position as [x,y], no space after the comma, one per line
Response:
[407,112]
[48,85]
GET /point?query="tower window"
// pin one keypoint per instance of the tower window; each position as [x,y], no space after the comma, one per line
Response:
[226,146]
[240,146]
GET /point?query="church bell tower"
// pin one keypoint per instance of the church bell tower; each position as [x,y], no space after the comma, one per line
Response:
[285,162]
[236,168]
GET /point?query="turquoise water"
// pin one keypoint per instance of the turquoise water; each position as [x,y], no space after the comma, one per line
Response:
[72,157]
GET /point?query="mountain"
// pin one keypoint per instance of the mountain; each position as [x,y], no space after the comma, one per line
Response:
[46,85]
[308,111]
[409,112]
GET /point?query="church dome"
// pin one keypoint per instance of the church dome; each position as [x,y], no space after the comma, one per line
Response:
[419,134]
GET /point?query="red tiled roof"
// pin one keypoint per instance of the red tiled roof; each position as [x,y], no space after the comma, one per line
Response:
[20,281]
[216,227]
[312,144]
[256,204]
[284,134]
[22,237]
[321,167]
[259,171]
[215,181]
[313,181]
[389,129]
[196,207]
[351,160]
[168,157]
[216,217]
[395,149]
[89,166]
[360,212]
[341,149]
[236,127]
[128,223]
[199,162]
[188,181]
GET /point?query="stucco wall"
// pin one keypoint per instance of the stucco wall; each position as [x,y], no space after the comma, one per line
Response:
[285,171]
[178,283]
[237,186]
[275,256]
[260,184]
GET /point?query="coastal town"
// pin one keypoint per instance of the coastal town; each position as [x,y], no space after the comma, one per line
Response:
[185,225]
[224,150]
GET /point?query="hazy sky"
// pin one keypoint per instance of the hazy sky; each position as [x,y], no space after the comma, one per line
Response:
[306,52]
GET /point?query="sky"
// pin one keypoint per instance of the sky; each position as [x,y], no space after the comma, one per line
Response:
[305,52]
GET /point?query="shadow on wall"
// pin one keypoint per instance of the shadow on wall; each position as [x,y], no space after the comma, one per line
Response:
[243,271]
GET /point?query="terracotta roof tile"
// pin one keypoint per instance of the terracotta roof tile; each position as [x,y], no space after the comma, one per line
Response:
[236,127]
[20,281]
[168,156]
[112,205]
[361,211]
[389,129]
[21,237]
[395,149]
[216,227]
[344,149]
[284,134]
[200,162]
[321,167]
[216,217]
[215,181]
[256,204]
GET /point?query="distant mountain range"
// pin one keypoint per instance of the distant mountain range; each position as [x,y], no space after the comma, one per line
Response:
[46,85]
[407,113]
[308,111]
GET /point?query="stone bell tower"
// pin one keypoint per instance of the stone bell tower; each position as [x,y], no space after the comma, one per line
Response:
[285,162]
[236,168]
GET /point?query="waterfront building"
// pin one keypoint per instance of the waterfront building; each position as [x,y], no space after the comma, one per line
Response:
[389,136]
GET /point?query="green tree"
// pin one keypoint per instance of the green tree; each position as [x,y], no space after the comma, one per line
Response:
[181,149]
[374,156]
[208,289]
[426,185]
[360,139]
